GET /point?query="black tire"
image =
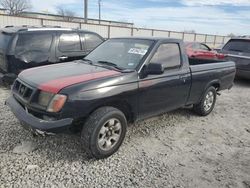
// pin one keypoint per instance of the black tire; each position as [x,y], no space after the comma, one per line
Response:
[200,107]
[92,130]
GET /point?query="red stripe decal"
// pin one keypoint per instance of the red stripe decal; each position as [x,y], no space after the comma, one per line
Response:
[54,86]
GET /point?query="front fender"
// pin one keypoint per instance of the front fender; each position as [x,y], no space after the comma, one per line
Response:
[82,103]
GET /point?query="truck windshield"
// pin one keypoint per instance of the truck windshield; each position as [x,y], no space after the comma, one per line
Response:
[4,40]
[123,53]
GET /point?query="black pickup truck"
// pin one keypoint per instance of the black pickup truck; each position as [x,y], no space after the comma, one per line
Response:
[122,80]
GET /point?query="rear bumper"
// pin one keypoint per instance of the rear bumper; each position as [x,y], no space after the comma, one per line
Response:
[243,73]
[30,122]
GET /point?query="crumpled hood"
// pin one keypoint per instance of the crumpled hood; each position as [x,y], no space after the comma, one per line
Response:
[53,78]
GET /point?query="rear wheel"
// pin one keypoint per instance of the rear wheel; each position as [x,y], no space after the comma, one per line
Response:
[104,132]
[207,103]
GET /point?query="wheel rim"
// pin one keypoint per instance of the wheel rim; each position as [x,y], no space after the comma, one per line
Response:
[109,134]
[209,100]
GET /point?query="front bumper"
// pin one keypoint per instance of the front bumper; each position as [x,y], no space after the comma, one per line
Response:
[35,124]
[243,73]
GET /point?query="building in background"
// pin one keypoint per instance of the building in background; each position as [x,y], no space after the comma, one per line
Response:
[106,28]
[74,19]
[3,11]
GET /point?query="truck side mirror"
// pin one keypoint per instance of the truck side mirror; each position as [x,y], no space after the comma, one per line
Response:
[154,68]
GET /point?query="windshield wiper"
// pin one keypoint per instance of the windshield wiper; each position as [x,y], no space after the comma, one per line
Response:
[88,60]
[110,64]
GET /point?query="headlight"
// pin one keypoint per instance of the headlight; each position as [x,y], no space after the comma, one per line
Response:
[57,103]
[44,98]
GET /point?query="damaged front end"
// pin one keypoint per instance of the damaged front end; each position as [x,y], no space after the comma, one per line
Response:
[40,121]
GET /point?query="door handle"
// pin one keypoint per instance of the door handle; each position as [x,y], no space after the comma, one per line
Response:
[183,79]
[63,58]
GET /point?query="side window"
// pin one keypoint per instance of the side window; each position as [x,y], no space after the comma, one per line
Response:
[196,46]
[204,47]
[69,42]
[92,41]
[33,42]
[168,55]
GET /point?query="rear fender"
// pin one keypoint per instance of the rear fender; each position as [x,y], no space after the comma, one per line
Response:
[215,83]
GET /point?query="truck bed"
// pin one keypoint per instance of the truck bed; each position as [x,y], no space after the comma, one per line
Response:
[210,71]
[207,64]
[196,61]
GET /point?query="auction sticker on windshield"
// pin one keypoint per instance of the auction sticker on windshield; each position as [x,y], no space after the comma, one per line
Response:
[137,51]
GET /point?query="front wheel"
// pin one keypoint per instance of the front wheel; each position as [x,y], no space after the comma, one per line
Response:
[104,132]
[207,103]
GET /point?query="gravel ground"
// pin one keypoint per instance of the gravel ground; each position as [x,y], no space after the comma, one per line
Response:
[177,149]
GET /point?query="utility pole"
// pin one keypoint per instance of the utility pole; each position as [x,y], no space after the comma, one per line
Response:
[85,11]
[99,4]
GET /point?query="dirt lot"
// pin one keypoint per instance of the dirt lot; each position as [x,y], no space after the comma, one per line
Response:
[178,149]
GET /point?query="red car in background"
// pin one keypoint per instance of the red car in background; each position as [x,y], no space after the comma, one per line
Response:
[202,51]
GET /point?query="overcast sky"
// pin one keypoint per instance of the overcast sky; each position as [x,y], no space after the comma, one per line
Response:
[204,16]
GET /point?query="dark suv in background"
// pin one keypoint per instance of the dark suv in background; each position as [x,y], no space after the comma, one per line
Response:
[25,47]
[238,50]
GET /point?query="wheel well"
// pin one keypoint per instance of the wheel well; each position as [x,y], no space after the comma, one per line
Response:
[125,108]
[122,106]
[216,86]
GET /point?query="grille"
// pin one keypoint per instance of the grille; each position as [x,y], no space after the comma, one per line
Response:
[22,90]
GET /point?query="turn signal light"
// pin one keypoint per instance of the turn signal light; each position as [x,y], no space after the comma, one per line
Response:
[57,103]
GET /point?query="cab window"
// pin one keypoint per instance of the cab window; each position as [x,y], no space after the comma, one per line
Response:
[168,55]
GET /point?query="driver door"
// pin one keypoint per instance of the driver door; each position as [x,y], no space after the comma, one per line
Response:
[168,91]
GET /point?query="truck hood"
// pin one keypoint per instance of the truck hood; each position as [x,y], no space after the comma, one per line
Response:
[53,78]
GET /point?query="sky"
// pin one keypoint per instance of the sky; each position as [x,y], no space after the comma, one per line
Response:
[220,17]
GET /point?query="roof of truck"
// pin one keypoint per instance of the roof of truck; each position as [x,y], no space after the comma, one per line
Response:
[151,38]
